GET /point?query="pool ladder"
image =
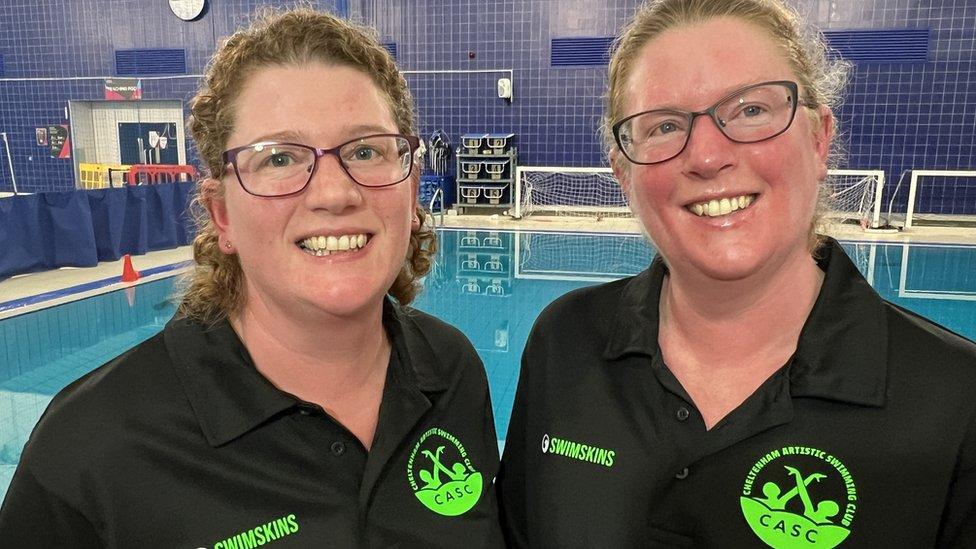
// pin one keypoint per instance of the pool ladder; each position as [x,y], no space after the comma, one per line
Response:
[439,193]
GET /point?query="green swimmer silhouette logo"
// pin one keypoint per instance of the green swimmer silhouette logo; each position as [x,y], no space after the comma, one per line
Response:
[446,481]
[807,499]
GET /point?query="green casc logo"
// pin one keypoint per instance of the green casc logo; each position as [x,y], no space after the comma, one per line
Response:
[449,485]
[807,499]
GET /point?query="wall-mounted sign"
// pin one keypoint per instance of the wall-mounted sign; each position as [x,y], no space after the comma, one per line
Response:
[41,135]
[60,143]
[123,89]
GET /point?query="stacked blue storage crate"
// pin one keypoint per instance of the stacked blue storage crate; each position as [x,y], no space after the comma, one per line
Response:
[486,170]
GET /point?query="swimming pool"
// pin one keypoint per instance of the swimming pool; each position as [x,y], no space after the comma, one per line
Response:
[490,284]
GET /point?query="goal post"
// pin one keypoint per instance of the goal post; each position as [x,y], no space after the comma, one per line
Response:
[564,190]
[594,192]
[947,209]
[855,195]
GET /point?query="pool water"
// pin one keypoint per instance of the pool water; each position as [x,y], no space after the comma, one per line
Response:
[490,284]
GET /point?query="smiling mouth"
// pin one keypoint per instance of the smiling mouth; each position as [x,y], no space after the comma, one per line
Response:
[321,245]
[722,206]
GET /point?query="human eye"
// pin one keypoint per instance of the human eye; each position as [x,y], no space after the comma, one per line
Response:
[665,128]
[363,153]
[268,157]
[661,127]
[279,160]
[752,110]
[370,150]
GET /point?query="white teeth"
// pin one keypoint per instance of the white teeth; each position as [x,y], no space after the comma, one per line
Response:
[326,245]
[723,206]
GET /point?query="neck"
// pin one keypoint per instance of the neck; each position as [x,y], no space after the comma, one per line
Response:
[734,322]
[313,355]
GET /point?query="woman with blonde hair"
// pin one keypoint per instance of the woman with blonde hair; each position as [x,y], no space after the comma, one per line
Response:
[295,398]
[750,388]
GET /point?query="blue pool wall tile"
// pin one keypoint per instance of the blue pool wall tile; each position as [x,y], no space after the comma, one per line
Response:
[30,341]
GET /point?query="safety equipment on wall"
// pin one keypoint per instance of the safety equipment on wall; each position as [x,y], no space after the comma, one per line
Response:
[505,88]
[440,150]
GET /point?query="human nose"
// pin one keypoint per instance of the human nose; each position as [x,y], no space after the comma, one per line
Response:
[708,151]
[331,188]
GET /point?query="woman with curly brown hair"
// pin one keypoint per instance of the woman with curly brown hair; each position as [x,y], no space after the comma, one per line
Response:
[295,397]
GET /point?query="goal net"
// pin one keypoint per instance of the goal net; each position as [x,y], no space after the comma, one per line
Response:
[579,192]
[941,198]
[855,195]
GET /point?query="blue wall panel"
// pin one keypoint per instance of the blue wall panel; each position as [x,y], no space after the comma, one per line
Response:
[897,116]
[880,45]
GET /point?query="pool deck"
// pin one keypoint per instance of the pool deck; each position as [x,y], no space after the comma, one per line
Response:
[25,293]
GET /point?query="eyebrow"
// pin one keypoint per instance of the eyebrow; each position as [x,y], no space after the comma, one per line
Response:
[729,90]
[350,132]
[287,135]
[364,129]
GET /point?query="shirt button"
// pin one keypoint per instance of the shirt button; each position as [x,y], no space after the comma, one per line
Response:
[338,448]
[303,411]
[683,413]
[682,475]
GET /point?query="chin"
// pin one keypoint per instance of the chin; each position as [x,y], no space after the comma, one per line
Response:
[730,267]
[726,273]
[346,298]
[342,307]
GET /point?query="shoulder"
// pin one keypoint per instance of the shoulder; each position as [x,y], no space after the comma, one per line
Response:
[586,308]
[127,383]
[430,327]
[88,421]
[930,350]
[443,338]
[438,350]
[932,370]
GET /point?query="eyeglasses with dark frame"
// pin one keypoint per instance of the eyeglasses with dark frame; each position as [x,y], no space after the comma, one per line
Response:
[274,169]
[748,115]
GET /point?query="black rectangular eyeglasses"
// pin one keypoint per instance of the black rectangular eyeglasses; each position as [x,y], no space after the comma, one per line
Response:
[748,115]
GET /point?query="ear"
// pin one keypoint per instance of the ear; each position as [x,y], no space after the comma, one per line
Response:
[216,204]
[823,135]
[622,174]
[415,188]
[418,208]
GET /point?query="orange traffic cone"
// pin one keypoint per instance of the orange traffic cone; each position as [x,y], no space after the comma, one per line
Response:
[129,274]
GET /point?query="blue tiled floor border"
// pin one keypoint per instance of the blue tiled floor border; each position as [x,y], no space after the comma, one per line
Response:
[86,287]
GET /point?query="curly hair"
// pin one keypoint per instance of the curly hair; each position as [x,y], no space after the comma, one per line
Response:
[214,286]
[821,79]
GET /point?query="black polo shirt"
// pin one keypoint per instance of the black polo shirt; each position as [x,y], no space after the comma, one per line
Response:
[180,442]
[865,438]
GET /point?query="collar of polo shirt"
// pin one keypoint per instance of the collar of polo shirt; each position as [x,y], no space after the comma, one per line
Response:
[230,397]
[846,327]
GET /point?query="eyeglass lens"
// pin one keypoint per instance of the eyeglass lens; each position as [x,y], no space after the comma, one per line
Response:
[274,169]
